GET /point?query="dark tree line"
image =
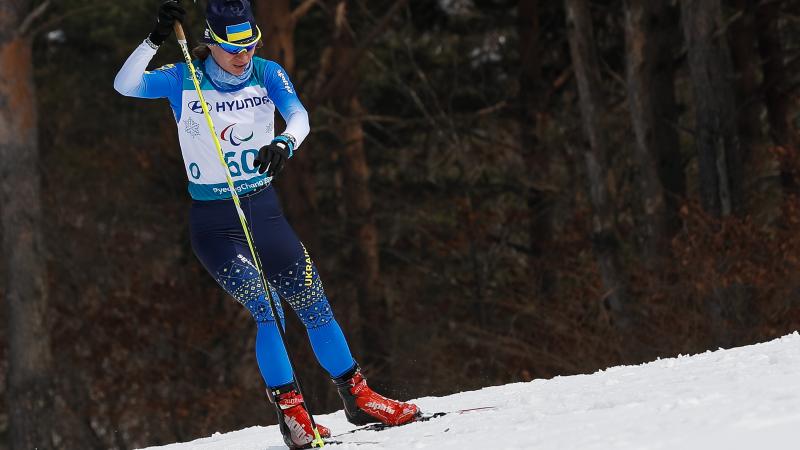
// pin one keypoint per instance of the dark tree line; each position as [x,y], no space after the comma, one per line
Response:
[493,191]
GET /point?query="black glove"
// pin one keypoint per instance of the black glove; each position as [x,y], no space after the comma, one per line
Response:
[168,13]
[272,157]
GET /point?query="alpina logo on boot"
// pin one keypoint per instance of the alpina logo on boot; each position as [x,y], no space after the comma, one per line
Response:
[298,432]
[290,402]
[380,407]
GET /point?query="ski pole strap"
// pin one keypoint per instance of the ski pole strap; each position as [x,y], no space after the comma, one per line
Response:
[287,140]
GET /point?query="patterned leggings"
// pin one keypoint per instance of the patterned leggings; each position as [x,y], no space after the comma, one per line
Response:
[220,245]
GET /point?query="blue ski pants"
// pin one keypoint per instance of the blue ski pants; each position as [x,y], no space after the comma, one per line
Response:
[220,245]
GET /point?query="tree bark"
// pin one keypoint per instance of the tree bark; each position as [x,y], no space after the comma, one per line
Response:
[605,241]
[30,395]
[720,155]
[537,160]
[775,91]
[370,295]
[746,61]
[275,16]
[719,151]
[650,40]
[299,195]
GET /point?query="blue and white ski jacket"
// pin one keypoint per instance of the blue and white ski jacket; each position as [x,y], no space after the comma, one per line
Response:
[244,118]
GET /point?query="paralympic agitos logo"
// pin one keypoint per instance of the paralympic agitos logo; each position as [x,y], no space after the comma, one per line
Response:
[229,135]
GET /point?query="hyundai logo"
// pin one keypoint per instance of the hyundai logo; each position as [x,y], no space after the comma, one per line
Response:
[196,107]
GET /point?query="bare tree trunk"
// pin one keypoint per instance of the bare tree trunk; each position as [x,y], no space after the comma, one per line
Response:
[605,241]
[736,305]
[745,58]
[275,16]
[370,295]
[362,229]
[649,33]
[30,396]
[775,90]
[719,151]
[540,202]
[720,157]
[298,194]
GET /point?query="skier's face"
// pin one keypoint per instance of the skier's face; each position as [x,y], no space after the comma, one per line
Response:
[233,64]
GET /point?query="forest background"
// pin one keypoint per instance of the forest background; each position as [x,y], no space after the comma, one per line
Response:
[493,191]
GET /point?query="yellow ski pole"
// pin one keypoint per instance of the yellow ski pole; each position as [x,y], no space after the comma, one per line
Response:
[318,441]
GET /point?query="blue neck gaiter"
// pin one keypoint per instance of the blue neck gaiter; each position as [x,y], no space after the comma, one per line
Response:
[227,80]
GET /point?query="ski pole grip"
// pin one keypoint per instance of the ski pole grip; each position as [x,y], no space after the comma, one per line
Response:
[179,32]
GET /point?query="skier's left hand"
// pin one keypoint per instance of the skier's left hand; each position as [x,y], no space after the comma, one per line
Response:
[169,12]
[271,158]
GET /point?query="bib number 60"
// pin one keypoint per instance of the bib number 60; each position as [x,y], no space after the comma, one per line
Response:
[245,162]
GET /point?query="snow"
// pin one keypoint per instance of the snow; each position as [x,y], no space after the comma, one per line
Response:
[742,398]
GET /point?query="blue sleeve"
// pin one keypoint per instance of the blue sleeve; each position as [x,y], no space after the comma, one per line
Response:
[282,93]
[280,89]
[166,82]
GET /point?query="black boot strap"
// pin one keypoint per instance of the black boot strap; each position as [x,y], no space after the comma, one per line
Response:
[274,393]
[343,381]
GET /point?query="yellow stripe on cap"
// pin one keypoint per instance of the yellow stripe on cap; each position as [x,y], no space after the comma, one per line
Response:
[239,31]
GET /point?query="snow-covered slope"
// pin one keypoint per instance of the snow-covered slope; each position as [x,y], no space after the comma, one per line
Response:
[743,398]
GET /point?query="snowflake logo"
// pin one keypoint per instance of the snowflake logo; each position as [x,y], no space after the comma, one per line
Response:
[191,128]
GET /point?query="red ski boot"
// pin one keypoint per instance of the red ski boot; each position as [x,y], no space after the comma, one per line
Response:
[293,417]
[362,405]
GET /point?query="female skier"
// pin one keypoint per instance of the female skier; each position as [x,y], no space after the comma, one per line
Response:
[242,93]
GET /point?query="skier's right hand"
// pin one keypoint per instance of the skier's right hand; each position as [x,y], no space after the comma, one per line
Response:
[168,13]
[271,158]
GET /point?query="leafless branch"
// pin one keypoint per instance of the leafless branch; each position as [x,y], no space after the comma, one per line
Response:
[302,10]
[55,20]
[492,108]
[35,14]
[379,28]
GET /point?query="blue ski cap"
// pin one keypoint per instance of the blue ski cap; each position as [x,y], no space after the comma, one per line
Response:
[232,21]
